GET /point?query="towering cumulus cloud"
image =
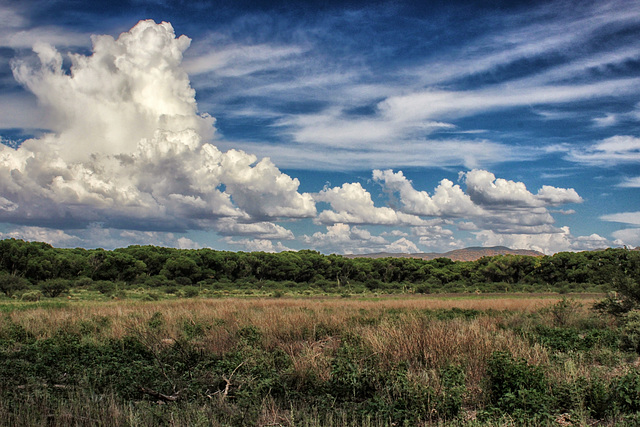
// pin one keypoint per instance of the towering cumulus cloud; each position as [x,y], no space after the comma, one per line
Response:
[128,148]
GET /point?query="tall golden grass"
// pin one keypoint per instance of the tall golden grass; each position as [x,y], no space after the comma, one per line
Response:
[309,330]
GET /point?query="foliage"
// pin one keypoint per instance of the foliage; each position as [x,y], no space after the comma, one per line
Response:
[22,263]
[631,331]
[9,284]
[316,362]
[31,296]
[54,287]
[516,387]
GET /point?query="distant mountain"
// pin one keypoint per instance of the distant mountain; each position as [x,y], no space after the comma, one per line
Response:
[467,254]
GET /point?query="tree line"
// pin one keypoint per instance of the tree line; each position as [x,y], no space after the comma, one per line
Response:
[23,263]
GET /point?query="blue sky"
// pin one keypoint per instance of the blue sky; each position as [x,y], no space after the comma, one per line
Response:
[343,127]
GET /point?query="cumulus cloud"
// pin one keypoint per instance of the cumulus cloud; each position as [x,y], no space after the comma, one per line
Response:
[352,204]
[402,245]
[448,199]
[627,236]
[129,149]
[264,230]
[258,245]
[343,238]
[486,190]
[437,238]
[98,236]
[547,243]
[502,208]
[57,238]
[492,203]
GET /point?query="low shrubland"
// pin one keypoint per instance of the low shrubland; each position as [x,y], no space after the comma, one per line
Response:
[326,361]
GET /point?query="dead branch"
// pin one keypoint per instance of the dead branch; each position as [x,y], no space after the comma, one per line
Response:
[160,396]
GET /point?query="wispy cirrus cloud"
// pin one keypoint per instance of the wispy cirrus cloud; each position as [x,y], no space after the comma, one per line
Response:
[631,218]
[358,103]
[615,150]
[631,182]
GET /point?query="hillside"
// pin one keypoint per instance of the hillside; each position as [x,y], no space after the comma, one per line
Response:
[466,254]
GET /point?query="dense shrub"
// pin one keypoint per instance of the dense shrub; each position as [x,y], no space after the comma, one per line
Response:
[516,387]
[55,287]
[104,287]
[31,296]
[631,331]
[10,284]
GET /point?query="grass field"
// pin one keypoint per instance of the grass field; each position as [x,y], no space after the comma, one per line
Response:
[413,360]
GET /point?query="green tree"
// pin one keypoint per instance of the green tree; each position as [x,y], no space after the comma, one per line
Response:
[180,266]
[54,287]
[10,284]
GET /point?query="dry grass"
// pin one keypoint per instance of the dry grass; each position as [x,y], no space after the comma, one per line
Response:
[408,330]
[308,330]
[278,318]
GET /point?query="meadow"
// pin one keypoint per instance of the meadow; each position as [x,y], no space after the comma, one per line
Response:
[512,359]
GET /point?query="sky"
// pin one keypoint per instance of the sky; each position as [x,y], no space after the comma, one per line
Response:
[343,127]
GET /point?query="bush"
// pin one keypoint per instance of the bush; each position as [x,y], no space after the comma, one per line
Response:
[105,287]
[54,287]
[31,296]
[516,387]
[183,281]
[151,296]
[83,282]
[625,391]
[190,291]
[452,379]
[625,298]
[564,311]
[631,331]
[9,284]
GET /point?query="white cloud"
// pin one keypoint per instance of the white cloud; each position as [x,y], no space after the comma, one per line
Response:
[352,204]
[17,32]
[344,239]
[547,243]
[448,199]
[130,149]
[437,238]
[331,129]
[263,230]
[57,238]
[554,196]
[492,203]
[98,236]
[627,236]
[434,104]
[258,245]
[20,112]
[394,233]
[606,121]
[487,190]
[632,182]
[392,153]
[632,218]
[402,245]
[467,226]
[237,60]
[619,149]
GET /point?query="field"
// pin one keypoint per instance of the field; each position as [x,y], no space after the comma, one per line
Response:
[400,360]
